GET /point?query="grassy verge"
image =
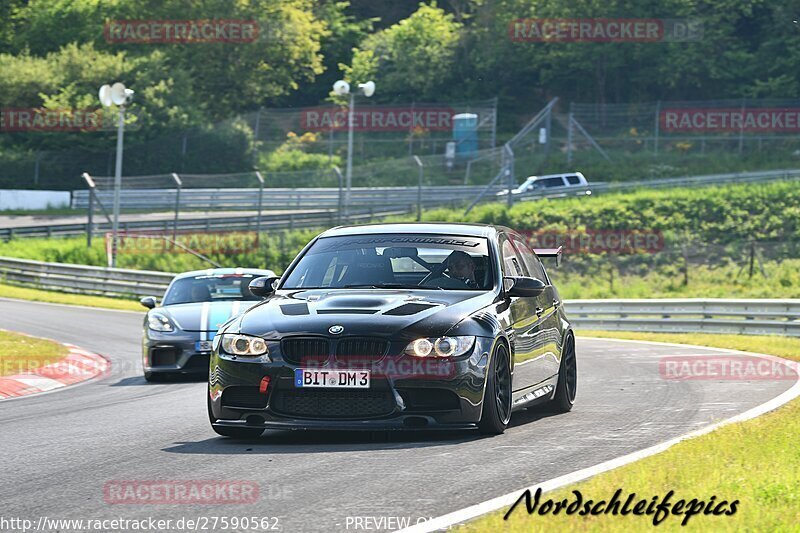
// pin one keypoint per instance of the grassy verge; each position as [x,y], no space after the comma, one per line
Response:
[756,462]
[36,295]
[21,353]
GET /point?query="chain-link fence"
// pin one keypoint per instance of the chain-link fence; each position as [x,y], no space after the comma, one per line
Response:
[604,266]
[275,140]
[667,131]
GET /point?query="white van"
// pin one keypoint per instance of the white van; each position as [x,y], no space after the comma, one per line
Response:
[567,183]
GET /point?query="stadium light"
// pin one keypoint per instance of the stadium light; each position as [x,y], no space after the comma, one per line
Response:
[118,95]
[342,88]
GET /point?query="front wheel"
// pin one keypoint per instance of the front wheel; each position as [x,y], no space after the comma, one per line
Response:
[497,398]
[567,385]
[235,433]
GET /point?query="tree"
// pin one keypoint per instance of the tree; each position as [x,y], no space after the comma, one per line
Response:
[412,59]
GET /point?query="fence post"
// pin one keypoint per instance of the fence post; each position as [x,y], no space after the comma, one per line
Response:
[260,203]
[178,183]
[510,174]
[494,122]
[339,199]
[657,127]
[255,136]
[741,127]
[569,137]
[419,188]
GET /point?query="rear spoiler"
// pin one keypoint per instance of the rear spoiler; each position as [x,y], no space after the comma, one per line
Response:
[550,252]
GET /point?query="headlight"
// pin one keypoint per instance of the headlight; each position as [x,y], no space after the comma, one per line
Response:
[441,347]
[245,345]
[159,322]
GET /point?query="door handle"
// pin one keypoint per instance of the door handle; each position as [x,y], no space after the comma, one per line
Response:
[556,303]
[539,311]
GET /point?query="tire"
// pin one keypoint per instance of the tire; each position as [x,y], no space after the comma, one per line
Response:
[235,433]
[567,385]
[497,397]
[150,377]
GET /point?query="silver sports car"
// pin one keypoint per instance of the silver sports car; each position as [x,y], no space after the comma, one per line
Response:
[178,333]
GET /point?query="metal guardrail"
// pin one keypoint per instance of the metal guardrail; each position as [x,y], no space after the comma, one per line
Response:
[751,317]
[244,198]
[227,223]
[84,279]
[377,197]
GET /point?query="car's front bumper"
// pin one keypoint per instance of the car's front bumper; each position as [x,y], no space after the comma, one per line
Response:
[407,396]
[174,353]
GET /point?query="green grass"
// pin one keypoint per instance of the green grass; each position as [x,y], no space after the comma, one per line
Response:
[37,295]
[715,226]
[22,353]
[47,211]
[756,462]
[725,281]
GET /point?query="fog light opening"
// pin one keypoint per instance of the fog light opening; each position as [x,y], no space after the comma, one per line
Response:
[255,420]
[415,422]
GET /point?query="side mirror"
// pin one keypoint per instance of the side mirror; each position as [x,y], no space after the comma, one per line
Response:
[523,286]
[263,286]
[148,301]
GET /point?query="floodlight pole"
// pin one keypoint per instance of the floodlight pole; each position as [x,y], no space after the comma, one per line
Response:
[117,185]
[349,169]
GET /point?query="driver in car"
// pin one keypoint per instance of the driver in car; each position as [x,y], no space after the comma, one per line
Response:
[462,267]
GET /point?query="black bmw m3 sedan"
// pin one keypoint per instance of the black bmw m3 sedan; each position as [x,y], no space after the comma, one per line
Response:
[396,326]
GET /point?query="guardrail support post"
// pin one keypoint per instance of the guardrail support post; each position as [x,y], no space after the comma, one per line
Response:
[179,184]
[260,203]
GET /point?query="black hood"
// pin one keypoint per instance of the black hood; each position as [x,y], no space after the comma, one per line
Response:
[385,313]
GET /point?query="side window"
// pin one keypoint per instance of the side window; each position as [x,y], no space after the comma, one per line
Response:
[532,263]
[511,262]
[554,182]
[574,180]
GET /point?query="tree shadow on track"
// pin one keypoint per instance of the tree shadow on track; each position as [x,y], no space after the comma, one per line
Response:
[310,441]
[166,379]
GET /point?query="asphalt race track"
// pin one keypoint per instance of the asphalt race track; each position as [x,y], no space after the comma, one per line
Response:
[59,450]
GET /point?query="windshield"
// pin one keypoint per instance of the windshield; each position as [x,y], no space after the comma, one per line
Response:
[209,289]
[406,261]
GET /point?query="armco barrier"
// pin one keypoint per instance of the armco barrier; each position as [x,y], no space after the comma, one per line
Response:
[226,223]
[83,279]
[752,317]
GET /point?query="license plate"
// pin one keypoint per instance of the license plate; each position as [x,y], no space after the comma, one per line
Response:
[337,379]
[202,346]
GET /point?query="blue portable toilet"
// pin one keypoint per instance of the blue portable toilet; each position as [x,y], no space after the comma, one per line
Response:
[465,133]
